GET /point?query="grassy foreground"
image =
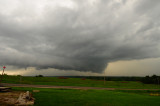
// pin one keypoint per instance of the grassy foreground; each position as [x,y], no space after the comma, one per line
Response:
[77,82]
[71,97]
[68,97]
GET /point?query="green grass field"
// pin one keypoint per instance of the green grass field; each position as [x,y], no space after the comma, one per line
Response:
[69,97]
[77,82]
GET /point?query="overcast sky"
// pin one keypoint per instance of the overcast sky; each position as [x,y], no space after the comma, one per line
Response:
[80,37]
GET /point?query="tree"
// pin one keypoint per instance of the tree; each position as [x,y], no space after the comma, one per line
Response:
[39,75]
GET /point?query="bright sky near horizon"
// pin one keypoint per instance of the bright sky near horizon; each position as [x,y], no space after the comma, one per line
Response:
[73,37]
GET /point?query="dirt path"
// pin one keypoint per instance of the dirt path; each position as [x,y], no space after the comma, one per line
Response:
[67,87]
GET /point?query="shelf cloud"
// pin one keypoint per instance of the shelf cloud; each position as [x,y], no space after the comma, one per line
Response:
[78,35]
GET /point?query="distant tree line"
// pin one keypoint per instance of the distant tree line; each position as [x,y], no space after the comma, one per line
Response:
[39,76]
[154,79]
[116,78]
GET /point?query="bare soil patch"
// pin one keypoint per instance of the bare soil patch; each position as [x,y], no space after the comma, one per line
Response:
[9,98]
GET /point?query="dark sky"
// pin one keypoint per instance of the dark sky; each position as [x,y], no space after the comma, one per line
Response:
[83,35]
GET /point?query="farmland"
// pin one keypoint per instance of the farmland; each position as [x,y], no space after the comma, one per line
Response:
[77,82]
[70,97]
[86,97]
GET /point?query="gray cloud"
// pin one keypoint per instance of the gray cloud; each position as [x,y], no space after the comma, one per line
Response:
[75,35]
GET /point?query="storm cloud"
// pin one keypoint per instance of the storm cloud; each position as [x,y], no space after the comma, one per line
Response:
[78,35]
